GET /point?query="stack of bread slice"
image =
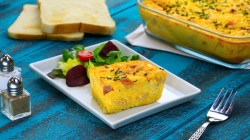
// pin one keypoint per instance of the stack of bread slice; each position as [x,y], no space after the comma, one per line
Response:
[62,20]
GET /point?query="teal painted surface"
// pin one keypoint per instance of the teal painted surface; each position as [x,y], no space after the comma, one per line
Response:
[55,116]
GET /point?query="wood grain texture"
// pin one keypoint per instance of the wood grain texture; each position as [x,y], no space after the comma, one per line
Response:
[55,116]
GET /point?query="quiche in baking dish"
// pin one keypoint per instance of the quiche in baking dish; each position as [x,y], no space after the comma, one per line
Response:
[216,28]
[228,17]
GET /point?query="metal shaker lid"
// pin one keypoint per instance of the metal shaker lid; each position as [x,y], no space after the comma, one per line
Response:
[14,86]
[6,63]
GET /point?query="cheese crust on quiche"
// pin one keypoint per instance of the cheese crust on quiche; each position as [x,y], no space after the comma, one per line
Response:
[125,85]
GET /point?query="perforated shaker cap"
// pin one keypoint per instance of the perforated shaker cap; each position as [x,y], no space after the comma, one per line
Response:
[6,63]
[14,86]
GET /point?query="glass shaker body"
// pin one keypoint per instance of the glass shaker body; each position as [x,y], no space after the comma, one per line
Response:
[15,107]
[5,76]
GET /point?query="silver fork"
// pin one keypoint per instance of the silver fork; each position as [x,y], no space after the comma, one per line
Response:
[219,111]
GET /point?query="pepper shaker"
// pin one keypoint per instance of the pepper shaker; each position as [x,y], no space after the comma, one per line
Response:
[15,100]
[7,70]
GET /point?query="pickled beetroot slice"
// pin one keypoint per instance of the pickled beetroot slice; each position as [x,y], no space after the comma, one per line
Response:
[77,76]
[109,46]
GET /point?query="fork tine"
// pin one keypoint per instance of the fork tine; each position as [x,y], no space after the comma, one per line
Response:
[225,107]
[229,110]
[217,99]
[221,102]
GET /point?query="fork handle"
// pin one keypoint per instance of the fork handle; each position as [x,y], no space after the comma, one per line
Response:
[199,132]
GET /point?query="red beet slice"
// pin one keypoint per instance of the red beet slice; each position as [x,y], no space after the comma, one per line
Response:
[77,76]
[109,46]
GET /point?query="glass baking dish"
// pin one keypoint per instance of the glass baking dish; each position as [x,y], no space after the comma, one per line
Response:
[193,39]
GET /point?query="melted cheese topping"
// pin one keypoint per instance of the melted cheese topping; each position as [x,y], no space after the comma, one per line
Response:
[228,17]
[124,85]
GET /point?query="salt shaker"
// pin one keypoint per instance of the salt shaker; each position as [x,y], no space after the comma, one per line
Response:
[15,101]
[8,70]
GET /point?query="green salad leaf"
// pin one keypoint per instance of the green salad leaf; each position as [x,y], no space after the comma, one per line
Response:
[70,59]
[98,60]
[66,66]
[72,54]
[78,48]
[133,57]
[113,57]
[89,65]
[56,73]
[67,55]
[98,49]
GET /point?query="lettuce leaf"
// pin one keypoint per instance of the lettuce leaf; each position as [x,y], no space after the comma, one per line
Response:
[70,60]
[89,65]
[66,66]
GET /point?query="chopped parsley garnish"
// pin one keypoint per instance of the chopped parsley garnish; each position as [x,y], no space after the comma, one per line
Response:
[244,12]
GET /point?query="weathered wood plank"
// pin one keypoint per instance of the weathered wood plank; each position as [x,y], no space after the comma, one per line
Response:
[56,116]
[236,127]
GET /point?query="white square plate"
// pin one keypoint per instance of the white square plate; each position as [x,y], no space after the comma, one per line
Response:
[176,91]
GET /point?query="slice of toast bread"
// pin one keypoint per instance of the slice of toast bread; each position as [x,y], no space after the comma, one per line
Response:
[27,27]
[67,16]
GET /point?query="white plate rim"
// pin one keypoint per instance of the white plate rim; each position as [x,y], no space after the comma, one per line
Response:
[133,117]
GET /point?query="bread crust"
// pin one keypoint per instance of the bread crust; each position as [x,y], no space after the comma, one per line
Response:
[95,29]
[43,37]
[75,27]
[60,28]
[18,32]
[26,36]
[63,38]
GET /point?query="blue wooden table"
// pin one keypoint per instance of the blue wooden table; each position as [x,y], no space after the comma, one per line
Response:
[56,116]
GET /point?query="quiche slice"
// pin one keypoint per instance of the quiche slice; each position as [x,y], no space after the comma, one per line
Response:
[125,85]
